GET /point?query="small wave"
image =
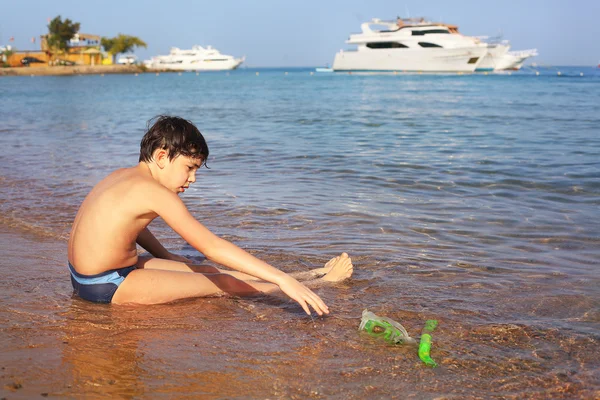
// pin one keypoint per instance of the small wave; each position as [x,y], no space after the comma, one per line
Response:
[22,225]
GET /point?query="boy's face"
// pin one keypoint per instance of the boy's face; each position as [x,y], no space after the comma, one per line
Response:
[180,173]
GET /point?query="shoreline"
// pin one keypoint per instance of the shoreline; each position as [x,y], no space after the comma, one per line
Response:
[72,70]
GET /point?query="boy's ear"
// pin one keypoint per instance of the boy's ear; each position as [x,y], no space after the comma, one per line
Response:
[161,157]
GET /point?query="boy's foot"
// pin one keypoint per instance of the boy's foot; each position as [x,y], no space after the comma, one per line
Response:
[340,268]
[320,272]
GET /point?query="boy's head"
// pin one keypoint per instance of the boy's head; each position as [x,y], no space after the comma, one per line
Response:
[176,135]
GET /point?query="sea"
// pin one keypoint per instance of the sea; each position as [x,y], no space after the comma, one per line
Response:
[470,199]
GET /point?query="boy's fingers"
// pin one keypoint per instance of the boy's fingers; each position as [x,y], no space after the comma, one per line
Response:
[316,299]
[305,297]
[304,307]
[319,307]
[322,304]
[315,307]
[306,302]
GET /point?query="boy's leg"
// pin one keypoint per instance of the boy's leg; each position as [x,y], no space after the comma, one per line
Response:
[149,262]
[154,286]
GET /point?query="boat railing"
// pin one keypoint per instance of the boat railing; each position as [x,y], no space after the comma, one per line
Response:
[524,53]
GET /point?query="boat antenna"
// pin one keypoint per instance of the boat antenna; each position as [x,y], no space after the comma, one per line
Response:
[407,12]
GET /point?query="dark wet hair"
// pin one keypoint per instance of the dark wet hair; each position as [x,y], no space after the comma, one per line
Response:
[176,135]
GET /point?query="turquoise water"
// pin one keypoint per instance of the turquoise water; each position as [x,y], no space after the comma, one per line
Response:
[498,170]
[474,198]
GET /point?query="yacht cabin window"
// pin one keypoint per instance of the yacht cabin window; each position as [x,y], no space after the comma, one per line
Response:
[429,32]
[386,45]
[427,44]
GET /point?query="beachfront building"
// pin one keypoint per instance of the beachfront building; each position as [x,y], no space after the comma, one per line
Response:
[83,49]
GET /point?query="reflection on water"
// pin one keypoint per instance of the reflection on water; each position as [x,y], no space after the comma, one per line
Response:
[472,200]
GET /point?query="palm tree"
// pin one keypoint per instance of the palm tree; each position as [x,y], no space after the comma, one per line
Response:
[121,44]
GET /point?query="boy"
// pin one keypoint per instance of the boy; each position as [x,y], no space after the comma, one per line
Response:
[103,259]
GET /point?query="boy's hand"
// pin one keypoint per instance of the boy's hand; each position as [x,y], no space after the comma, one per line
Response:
[176,257]
[303,295]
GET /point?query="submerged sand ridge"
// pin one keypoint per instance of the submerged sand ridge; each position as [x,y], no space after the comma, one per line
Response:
[58,345]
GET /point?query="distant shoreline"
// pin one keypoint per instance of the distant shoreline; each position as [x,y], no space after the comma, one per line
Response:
[139,69]
[71,70]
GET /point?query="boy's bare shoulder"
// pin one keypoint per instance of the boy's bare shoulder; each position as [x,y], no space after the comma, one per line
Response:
[135,190]
[131,184]
[125,180]
[147,188]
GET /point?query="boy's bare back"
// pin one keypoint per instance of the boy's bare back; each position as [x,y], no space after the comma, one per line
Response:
[111,217]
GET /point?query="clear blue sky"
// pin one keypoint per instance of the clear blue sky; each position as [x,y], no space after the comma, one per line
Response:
[309,32]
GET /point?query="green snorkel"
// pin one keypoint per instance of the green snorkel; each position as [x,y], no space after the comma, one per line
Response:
[394,333]
[425,344]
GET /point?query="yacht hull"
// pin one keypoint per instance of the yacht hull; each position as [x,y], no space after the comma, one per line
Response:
[202,65]
[514,60]
[493,58]
[464,59]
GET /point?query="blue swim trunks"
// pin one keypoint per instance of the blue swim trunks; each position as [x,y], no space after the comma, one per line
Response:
[99,288]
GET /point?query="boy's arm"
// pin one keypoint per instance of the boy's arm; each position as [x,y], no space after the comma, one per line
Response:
[172,210]
[149,242]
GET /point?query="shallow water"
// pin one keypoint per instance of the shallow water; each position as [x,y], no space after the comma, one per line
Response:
[473,200]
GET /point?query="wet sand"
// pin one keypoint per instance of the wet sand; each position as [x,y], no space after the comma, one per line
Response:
[56,345]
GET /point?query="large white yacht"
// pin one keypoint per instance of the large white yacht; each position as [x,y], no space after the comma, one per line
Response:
[410,45]
[196,59]
[499,57]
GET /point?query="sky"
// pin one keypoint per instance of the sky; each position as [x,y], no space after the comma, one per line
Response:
[286,33]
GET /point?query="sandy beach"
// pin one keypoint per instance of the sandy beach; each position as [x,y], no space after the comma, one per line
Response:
[55,344]
[71,70]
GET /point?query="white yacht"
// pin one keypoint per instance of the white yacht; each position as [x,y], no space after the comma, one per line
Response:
[495,53]
[514,59]
[499,57]
[196,59]
[410,45]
